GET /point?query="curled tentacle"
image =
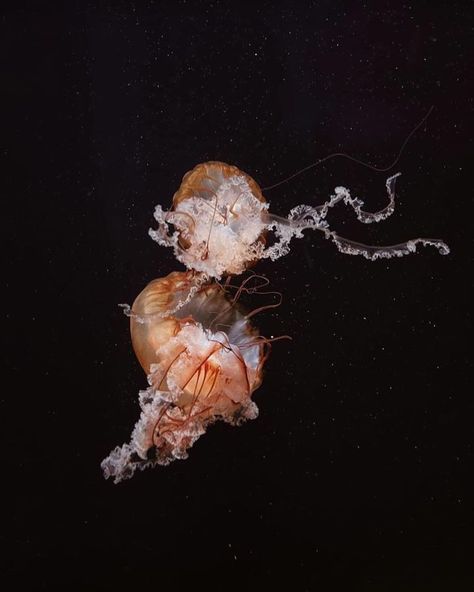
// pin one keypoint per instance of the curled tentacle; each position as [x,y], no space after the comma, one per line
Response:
[305,217]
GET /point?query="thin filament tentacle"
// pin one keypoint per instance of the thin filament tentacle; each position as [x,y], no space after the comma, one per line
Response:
[353,159]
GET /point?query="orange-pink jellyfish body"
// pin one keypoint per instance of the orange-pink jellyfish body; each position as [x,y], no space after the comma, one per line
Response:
[203,359]
[220,216]
[221,220]
[202,356]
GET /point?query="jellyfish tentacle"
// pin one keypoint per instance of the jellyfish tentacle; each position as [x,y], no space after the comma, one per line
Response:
[263,339]
[264,281]
[165,373]
[194,283]
[154,431]
[305,217]
[205,255]
[373,252]
[197,392]
[380,169]
[234,203]
[341,193]
[216,372]
[211,207]
[235,350]
[266,306]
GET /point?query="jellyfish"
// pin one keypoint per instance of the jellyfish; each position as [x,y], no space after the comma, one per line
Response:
[203,359]
[219,223]
[199,349]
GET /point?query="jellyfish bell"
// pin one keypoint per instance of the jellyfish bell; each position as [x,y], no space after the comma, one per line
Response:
[221,219]
[211,321]
[219,216]
[203,359]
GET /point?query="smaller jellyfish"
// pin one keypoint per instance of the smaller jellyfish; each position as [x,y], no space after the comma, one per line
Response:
[221,220]
[203,359]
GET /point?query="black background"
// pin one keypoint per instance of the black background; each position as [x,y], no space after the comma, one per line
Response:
[358,473]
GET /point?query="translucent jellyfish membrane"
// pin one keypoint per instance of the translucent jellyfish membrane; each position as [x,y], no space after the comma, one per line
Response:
[203,359]
[219,221]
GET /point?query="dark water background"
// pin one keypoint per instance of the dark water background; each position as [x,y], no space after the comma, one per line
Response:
[358,473]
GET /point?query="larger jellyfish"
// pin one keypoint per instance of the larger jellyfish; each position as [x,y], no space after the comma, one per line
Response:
[203,360]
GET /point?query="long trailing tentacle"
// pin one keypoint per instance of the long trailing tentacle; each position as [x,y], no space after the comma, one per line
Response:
[380,169]
[304,217]
[373,252]
[341,193]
